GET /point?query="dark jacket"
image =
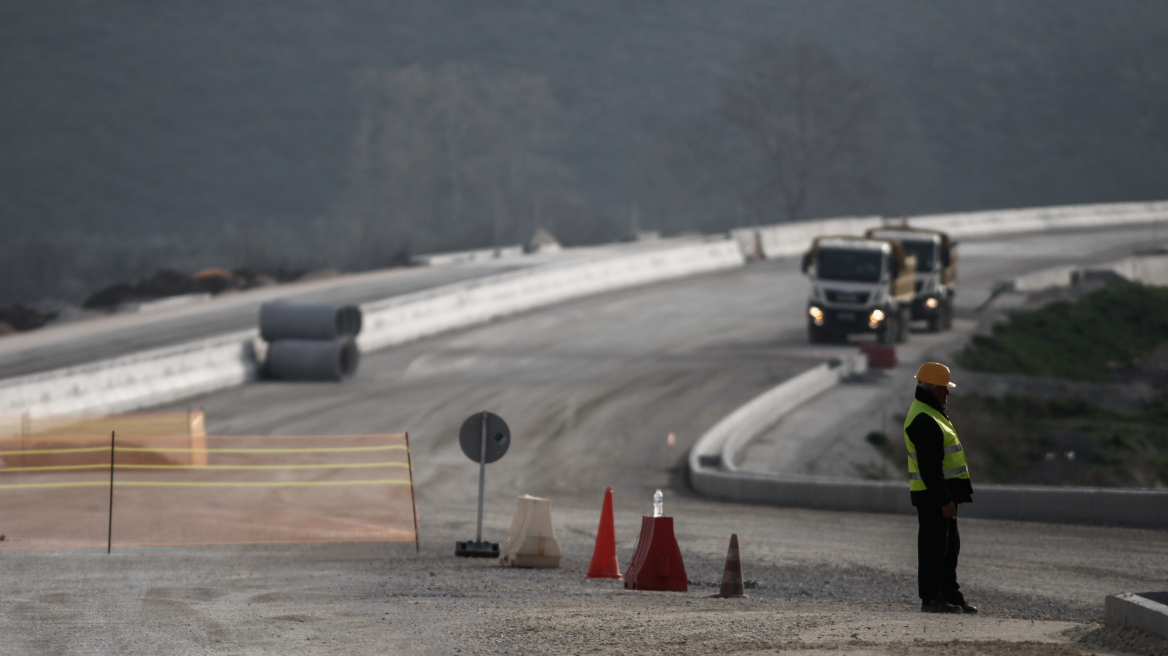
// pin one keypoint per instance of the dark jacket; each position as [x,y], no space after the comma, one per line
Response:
[930,442]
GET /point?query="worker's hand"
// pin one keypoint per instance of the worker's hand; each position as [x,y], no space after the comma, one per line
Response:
[949,510]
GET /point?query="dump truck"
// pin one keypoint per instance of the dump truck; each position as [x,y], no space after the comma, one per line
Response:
[858,285]
[936,274]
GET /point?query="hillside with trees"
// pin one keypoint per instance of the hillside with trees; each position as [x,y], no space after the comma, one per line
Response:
[305,134]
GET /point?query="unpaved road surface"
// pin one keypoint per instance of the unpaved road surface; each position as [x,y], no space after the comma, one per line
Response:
[827,583]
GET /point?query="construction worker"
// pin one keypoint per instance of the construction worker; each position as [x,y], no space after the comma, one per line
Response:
[938,483]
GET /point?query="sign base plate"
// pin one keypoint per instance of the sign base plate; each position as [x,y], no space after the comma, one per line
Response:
[472,549]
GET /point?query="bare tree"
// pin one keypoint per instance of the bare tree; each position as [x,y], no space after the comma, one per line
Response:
[453,157]
[800,126]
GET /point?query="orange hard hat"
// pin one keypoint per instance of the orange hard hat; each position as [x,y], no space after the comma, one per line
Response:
[934,373]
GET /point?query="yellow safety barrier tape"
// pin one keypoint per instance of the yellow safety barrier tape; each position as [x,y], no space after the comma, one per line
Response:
[335,449]
[76,484]
[189,449]
[388,481]
[33,452]
[348,465]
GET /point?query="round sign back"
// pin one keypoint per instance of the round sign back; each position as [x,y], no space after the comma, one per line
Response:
[471,433]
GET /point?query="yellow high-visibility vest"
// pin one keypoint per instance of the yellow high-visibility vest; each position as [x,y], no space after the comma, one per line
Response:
[952,466]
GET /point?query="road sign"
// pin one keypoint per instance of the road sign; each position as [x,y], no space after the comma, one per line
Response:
[484,438]
[498,437]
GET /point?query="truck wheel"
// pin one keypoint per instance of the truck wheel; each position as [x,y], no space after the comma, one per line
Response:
[887,333]
[815,334]
[937,321]
[902,319]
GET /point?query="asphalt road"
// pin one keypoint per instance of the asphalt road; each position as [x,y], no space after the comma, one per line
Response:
[591,390]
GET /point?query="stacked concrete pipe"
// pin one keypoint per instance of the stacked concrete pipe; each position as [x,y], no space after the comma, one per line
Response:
[310,341]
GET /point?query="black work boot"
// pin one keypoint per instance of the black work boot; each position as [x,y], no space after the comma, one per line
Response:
[938,606]
[966,608]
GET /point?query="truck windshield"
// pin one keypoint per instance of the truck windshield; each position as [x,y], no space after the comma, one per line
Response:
[854,265]
[924,251]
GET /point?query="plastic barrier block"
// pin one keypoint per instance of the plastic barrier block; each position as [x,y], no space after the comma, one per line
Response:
[880,355]
[532,540]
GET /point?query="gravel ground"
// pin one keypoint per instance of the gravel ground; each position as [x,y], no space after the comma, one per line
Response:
[827,583]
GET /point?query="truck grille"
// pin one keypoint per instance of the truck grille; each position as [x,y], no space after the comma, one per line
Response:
[834,296]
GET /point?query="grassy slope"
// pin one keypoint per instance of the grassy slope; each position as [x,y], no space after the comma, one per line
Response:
[1022,440]
[1078,341]
[1019,439]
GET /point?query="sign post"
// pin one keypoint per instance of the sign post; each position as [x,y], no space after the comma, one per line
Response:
[484,437]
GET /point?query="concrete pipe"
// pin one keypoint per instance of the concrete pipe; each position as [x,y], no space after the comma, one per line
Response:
[298,359]
[281,320]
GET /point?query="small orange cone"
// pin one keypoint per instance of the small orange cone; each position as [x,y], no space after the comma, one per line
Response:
[604,563]
[732,575]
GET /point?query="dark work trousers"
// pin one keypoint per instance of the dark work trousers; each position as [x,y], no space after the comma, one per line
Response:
[938,545]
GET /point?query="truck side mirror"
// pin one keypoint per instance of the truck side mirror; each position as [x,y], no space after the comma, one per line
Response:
[894,268]
[806,261]
[945,258]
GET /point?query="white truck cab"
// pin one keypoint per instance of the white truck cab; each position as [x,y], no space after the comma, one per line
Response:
[858,285]
[936,271]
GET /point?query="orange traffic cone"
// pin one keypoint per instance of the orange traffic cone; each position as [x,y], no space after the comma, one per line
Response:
[732,575]
[604,563]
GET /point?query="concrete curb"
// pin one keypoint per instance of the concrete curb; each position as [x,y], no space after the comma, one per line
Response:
[1146,611]
[720,445]
[1145,269]
[712,473]
[170,374]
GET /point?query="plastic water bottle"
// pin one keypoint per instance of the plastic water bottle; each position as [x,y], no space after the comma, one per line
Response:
[657,501]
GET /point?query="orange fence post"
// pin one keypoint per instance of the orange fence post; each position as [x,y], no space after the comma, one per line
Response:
[413,498]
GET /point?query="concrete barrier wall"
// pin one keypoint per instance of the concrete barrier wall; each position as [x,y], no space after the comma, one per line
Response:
[165,375]
[467,257]
[789,239]
[1036,219]
[1149,269]
[134,381]
[1146,269]
[404,318]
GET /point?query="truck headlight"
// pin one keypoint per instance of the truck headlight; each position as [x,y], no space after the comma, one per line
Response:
[875,318]
[816,315]
[931,303]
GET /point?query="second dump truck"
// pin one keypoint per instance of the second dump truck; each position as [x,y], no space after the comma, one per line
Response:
[936,271]
[859,285]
